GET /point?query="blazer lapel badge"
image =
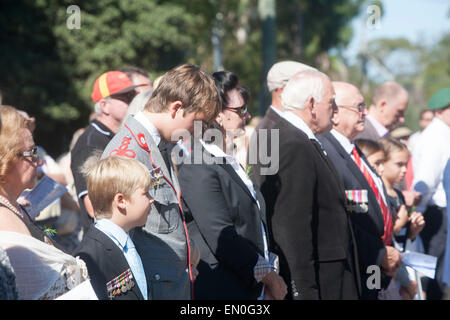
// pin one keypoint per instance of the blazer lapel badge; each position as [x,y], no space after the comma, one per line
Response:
[120,284]
[357,201]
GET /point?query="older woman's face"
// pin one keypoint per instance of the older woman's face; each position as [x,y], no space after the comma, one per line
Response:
[24,171]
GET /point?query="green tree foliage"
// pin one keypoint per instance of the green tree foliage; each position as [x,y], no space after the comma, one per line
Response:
[308,28]
[48,69]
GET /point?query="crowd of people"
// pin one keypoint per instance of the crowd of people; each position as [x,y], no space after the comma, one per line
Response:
[174,196]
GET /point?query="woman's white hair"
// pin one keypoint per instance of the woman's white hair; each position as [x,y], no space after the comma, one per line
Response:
[301,87]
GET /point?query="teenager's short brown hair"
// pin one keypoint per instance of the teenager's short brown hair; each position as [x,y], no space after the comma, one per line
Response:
[108,177]
[192,86]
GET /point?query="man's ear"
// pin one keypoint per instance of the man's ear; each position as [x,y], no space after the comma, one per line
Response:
[280,90]
[335,118]
[382,105]
[311,105]
[174,107]
[104,106]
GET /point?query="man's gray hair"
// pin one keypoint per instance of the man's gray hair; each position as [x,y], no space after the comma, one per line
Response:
[97,107]
[137,104]
[301,87]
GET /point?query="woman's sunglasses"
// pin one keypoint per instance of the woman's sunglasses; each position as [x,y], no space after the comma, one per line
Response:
[33,153]
[241,111]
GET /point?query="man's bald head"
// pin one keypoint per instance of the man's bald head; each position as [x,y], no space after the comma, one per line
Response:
[389,104]
[346,93]
[349,120]
[390,91]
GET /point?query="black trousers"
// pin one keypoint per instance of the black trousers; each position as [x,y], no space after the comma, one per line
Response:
[434,238]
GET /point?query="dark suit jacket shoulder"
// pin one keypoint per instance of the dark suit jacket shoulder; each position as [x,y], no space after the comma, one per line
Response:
[226,227]
[104,261]
[268,122]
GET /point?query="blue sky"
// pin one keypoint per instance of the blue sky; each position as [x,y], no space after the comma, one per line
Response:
[420,21]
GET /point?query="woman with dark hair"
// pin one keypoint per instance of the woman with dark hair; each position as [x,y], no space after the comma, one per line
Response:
[228,212]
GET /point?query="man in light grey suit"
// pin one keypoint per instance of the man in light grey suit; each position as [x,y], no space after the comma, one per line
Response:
[388,107]
[185,94]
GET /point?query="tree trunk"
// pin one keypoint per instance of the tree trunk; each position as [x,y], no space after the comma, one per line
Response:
[267,14]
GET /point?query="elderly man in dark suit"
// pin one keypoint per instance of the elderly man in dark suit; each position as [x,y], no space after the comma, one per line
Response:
[306,200]
[389,103]
[366,213]
[260,143]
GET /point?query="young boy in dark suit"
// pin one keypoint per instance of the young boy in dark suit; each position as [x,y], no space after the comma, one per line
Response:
[118,189]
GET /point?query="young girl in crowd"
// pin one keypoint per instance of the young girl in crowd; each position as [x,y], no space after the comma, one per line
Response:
[389,158]
[384,159]
[374,153]
[394,169]
[406,226]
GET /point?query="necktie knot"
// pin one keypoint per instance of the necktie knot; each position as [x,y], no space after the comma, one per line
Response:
[162,146]
[129,244]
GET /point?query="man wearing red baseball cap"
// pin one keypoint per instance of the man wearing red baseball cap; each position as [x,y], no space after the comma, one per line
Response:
[112,93]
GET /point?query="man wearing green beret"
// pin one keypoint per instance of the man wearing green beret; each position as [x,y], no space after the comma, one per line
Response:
[430,156]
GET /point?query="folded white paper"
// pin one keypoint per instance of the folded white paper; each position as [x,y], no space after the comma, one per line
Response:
[420,262]
[83,291]
[42,195]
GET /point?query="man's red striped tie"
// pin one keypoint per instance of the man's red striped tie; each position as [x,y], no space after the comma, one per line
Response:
[387,217]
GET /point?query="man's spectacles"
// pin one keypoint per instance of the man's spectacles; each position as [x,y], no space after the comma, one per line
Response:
[33,153]
[359,108]
[241,111]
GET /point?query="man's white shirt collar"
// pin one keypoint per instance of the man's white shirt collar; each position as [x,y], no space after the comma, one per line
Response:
[381,130]
[278,112]
[142,119]
[343,140]
[298,122]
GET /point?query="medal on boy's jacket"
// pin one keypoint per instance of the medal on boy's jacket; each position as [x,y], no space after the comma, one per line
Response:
[157,176]
[357,201]
[120,284]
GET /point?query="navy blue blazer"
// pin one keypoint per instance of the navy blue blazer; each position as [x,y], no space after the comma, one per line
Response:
[105,261]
